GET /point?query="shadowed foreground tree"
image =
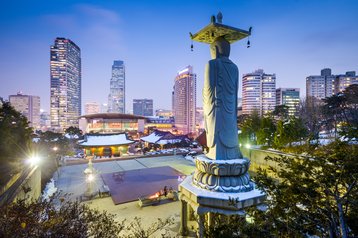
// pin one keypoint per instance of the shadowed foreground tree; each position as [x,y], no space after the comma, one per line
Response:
[70,219]
[15,134]
[316,195]
[15,141]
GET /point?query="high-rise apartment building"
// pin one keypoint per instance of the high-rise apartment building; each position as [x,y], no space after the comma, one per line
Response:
[29,106]
[258,92]
[65,70]
[117,95]
[184,100]
[320,86]
[143,107]
[92,108]
[341,82]
[289,97]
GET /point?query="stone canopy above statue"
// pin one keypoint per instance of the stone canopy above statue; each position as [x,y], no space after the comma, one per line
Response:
[216,29]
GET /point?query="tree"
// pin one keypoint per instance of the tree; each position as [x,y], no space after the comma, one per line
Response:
[74,132]
[265,135]
[316,195]
[281,111]
[44,219]
[135,228]
[15,137]
[341,110]
[281,136]
[52,218]
[250,126]
[311,115]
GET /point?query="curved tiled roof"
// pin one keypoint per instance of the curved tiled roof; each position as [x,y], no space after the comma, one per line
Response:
[105,140]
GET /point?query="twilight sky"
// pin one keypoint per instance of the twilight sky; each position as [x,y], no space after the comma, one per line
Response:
[292,38]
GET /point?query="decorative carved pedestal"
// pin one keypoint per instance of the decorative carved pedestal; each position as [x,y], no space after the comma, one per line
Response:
[222,175]
[217,187]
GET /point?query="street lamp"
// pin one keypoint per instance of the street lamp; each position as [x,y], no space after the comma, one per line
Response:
[34,160]
[90,173]
[248,146]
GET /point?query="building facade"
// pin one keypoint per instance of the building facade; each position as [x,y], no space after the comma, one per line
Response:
[341,82]
[320,86]
[92,108]
[258,92]
[65,71]
[289,97]
[29,106]
[163,113]
[143,107]
[184,100]
[117,95]
[109,123]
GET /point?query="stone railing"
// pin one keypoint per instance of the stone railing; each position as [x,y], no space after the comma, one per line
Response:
[26,185]
[257,158]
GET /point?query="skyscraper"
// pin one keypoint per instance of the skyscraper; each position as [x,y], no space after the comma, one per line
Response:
[92,108]
[320,86]
[258,92]
[184,100]
[143,107]
[29,106]
[341,82]
[117,95]
[65,70]
[289,97]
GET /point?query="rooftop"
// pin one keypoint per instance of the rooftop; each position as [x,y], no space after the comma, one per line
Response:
[106,140]
[112,116]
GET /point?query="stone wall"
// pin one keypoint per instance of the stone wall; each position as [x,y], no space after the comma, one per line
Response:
[257,158]
[27,185]
[30,188]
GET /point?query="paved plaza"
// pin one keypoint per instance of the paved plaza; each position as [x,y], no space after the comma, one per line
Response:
[71,180]
[130,185]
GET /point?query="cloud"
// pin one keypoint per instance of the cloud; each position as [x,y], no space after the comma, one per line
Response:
[98,13]
[89,23]
[63,21]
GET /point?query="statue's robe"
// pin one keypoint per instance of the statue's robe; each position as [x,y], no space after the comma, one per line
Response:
[220,109]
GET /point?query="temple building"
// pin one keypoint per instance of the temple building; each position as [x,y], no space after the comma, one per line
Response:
[106,145]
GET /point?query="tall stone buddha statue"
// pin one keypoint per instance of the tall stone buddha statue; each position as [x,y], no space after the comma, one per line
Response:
[223,168]
[220,103]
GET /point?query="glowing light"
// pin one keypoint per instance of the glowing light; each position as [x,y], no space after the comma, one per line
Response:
[248,146]
[55,148]
[90,178]
[34,160]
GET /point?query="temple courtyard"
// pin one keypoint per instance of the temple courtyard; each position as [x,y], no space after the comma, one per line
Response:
[127,180]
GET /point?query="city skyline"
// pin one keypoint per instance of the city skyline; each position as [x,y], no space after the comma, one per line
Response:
[298,39]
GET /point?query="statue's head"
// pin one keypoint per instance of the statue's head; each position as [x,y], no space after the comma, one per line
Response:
[220,48]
